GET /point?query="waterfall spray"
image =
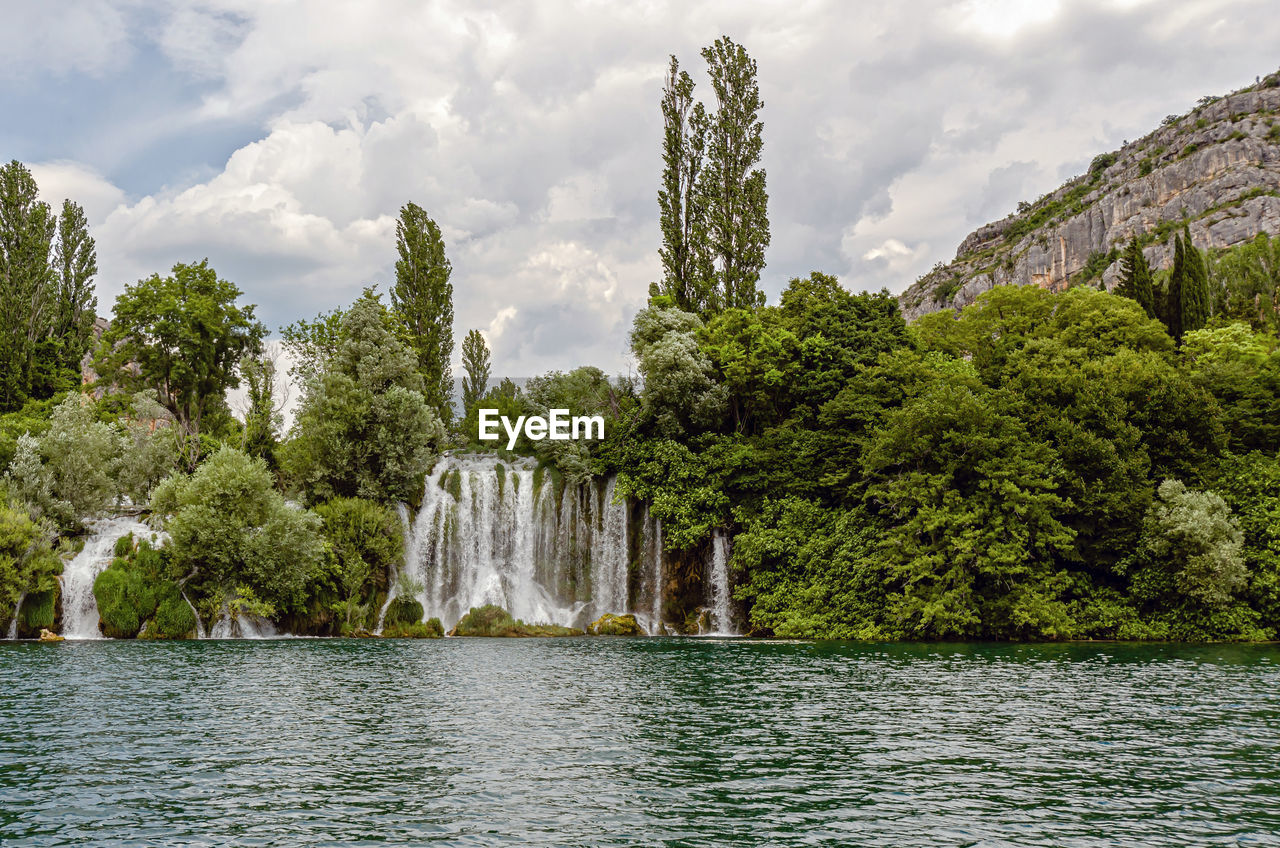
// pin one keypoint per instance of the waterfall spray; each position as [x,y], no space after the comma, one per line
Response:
[719,599]
[79,606]
[504,532]
[13,625]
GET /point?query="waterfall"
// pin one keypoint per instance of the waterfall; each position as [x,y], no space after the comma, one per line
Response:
[504,532]
[243,626]
[200,634]
[13,625]
[652,582]
[718,597]
[79,606]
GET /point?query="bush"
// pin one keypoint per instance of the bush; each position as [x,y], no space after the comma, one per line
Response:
[404,610]
[1100,163]
[38,611]
[490,620]
[429,629]
[174,618]
[125,600]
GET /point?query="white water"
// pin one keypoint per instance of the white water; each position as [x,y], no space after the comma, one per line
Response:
[718,597]
[243,626]
[79,606]
[200,634]
[13,625]
[484,536]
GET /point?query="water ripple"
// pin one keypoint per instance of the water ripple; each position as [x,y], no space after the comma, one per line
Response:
[637,742]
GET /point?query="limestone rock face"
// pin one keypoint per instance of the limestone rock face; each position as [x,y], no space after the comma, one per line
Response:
[1218,166]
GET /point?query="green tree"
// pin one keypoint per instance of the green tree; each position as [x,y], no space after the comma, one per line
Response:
[364,543]
[262,418]
[1135,278]
[26,280]
[971,512]
[182,336]
[69,473]
[1195,286]
[229,528]
[475,362]
[1174,297]
[688,265]
[364,428]
[75,265]
[423,299]
[311,343]
[732,186]
[1193,551]
[680,392]
[1246,283]
[28,567]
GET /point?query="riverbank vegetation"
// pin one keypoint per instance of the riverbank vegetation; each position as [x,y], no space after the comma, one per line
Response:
[1042,465]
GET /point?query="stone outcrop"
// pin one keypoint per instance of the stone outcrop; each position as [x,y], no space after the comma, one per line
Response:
[615,625]
[1218,167]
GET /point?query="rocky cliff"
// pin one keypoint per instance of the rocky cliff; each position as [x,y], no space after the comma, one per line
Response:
[1217,167]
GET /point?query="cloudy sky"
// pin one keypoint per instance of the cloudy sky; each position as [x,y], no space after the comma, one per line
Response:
[279,138]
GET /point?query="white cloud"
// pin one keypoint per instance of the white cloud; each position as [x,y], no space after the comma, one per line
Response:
[531,133]
[61,180]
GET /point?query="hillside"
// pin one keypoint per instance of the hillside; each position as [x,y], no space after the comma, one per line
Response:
[1218,165]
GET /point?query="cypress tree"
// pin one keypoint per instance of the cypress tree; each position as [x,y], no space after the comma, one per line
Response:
[1195,286]
[1173,295]
[423,301]
[1135,278]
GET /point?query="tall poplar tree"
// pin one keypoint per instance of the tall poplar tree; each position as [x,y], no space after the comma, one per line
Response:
[75,263]
[26,279]
[476,364]
[732,184]
[688,266]
[423,299]
[1135,277]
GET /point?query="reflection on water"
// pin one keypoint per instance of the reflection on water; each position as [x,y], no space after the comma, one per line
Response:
[637,742]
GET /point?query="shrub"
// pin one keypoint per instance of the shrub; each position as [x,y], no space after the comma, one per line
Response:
[174,618]
[429,629]
[404,610]
[37,611]
[125,600]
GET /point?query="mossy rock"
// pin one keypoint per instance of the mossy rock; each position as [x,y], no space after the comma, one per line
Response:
[404,609]
[50,636]
[490,620]
[615,625]
[429,629]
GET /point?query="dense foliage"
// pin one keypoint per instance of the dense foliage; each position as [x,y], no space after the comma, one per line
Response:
[1039,466]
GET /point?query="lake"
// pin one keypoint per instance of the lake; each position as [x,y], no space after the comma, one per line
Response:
[680,742]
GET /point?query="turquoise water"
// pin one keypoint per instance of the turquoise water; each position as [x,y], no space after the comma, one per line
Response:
[637,742]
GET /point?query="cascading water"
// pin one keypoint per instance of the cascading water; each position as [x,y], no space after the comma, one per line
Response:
[493,531]
[79,606]
[652,584]
[13,625]
[718,597]
[243,626]
[200,634]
